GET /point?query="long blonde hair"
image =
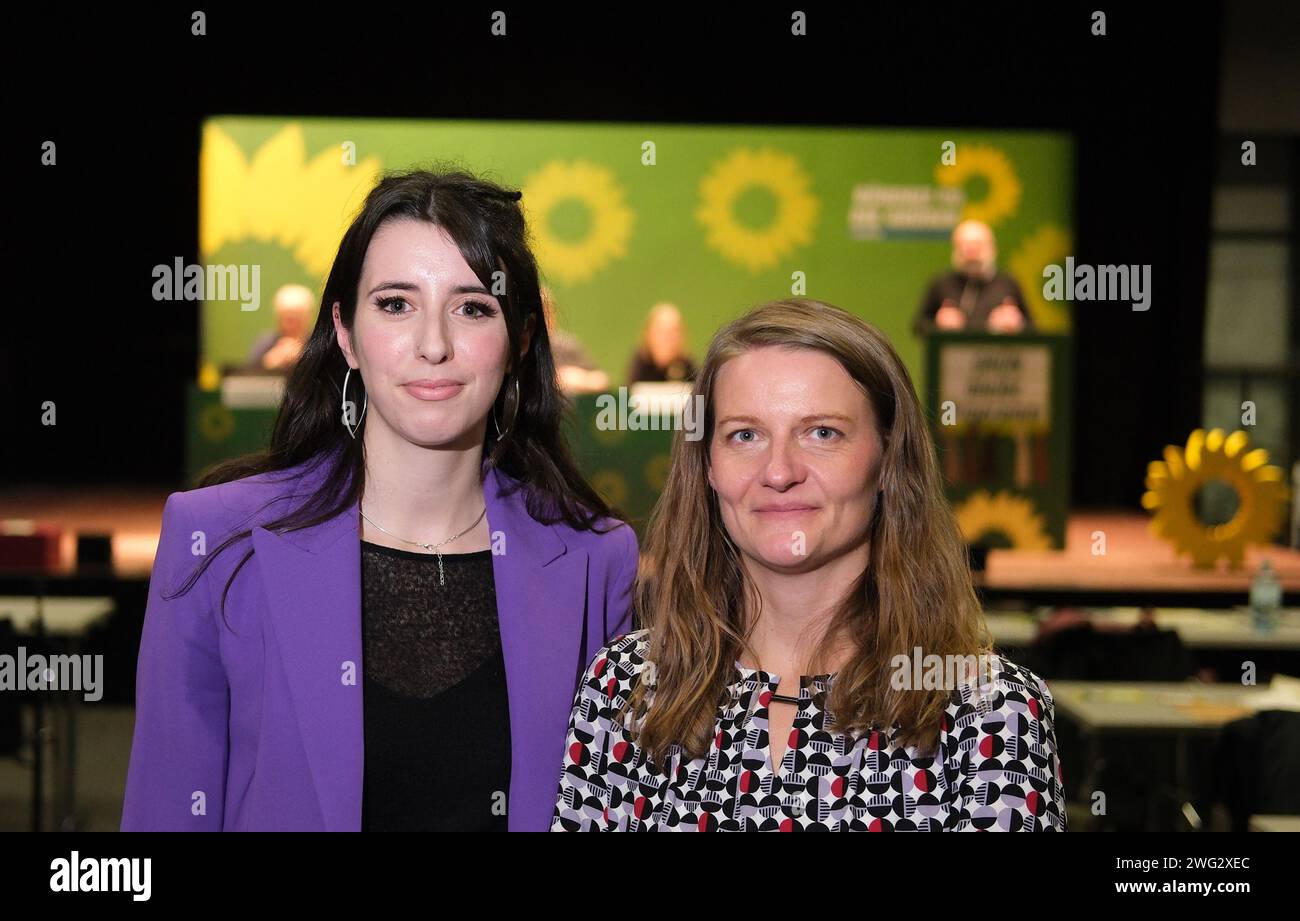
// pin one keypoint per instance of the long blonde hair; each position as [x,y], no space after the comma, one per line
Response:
[915,592]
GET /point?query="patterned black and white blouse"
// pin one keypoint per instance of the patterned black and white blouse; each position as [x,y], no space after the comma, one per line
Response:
[996,767]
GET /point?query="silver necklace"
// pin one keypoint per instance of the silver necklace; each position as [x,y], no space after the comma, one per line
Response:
[442,577]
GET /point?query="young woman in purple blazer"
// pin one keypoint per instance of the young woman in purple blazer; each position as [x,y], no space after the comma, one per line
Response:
[396,637]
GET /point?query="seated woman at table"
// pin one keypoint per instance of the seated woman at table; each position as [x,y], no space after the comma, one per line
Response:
[813,655]
[662,354]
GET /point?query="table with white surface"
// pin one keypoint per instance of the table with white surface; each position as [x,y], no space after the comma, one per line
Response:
[1183,709]
[1198,628]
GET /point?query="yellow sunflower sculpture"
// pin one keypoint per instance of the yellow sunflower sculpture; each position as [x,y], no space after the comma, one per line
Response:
[982,515]
[796,207]
[1172,485]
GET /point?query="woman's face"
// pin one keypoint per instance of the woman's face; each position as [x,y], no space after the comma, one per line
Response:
[430,341]
[794,458]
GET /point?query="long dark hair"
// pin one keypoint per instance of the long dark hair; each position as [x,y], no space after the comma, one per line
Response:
[487,225]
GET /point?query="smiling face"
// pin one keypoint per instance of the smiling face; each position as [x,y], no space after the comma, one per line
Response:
[430,341]
[794,458]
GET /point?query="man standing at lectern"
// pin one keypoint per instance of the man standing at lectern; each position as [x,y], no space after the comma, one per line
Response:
[974,295]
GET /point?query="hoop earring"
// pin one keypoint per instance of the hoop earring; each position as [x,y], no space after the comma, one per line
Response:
[365,397]
[512,415]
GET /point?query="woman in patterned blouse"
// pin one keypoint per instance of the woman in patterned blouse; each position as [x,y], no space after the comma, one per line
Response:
[813,655]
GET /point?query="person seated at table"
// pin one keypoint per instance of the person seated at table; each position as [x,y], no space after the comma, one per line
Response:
[662,355]
[278,349]
[974,295]
[575,368]
[806,569]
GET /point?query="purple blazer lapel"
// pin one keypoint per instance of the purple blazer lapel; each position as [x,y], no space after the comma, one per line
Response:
[541,587]
[313,591]
[312,580]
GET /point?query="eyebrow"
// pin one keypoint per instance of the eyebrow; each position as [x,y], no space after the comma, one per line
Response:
[396,285]
[412,286]
[814,416]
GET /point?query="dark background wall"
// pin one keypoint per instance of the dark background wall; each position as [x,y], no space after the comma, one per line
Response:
[123,95]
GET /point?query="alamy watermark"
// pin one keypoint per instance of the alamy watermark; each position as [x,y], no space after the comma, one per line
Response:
[52,673]
[643,413]
[1098,283]
[181,282]
[933,672]
[103,874]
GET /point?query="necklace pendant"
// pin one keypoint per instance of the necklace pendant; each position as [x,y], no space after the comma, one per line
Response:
[442,578]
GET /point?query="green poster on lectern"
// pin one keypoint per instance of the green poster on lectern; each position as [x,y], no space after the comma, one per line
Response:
[1000,412]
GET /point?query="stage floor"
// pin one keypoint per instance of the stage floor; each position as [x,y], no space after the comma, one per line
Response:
[132,515]
[1135,561]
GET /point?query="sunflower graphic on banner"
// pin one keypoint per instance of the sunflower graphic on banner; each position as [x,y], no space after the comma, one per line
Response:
[793,220]
[574,257]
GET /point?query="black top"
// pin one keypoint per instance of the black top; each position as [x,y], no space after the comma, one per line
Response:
[976,297]
[435,713]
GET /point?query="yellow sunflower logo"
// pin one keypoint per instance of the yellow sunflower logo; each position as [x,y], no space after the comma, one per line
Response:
[656,471]
[990,164]
[765,169]
[216,422]
[608,229]
[1172,485]
[611,485]
[982,516]
[279,196]
[1048,245]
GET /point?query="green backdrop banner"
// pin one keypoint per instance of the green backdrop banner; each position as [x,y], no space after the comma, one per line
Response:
[714,219]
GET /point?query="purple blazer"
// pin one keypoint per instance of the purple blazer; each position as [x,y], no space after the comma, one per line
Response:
[254,722]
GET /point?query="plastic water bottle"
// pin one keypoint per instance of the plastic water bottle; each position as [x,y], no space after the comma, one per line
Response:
[1265,597]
